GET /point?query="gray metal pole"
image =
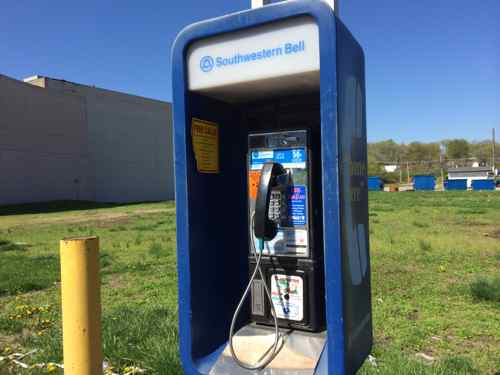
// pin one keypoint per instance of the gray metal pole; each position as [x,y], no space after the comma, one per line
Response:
[493,144]
[442,171]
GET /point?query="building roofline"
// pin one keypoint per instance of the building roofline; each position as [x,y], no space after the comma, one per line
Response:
[32,78]
[36,76]
[470,169]
[21,82]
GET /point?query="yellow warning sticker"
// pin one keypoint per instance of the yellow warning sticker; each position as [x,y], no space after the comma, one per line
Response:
[205,136]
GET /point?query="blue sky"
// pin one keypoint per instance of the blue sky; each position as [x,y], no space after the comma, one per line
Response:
[433,67]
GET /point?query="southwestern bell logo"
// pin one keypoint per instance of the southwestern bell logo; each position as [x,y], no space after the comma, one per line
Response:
[208,63]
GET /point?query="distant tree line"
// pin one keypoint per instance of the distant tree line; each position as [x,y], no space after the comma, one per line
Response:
[426,158]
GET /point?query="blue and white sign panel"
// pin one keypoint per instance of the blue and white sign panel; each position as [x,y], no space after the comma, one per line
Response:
[288,157]
[288,48]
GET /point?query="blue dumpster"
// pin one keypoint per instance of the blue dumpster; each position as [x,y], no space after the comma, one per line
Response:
[375,183]
[424,182]
[487,184]
[460,184]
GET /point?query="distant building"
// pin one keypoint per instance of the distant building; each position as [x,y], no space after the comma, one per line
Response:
[65,141]
[389,168]
[470,174]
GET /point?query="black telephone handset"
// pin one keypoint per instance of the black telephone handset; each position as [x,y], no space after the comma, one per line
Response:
[268,204]
[268,213]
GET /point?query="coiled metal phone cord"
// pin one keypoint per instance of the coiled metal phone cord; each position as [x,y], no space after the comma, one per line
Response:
[273,350]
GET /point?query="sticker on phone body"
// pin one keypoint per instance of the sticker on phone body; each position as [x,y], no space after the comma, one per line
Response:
[288,241]
[287,292]
[253,183]
[297,205]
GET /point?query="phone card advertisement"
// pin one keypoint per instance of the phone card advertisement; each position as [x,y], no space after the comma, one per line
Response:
[287,157]
[287,293]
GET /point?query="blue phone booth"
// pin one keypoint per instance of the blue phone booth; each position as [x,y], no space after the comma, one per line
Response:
[285,66]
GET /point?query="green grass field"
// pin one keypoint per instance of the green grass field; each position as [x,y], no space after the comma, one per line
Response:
[435,280]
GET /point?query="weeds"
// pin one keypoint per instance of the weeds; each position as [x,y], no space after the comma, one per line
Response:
[140,304]
[21,273]
[424,245]
[472,211]
[152,226]
[142,334]
[155,249]
[10,326]
[419,224]
[105,260]
[457,365]
[119,228]
[486,289]
[145,227]
[395,363]
[12,246]
[138,240]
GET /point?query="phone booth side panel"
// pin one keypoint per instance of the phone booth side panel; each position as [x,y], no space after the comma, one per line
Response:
[353,184]
[335,357]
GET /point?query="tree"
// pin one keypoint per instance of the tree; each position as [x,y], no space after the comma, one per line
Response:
[457,149]
[481,151]
[374,168]
[424,152]
[385,151]
[424,158]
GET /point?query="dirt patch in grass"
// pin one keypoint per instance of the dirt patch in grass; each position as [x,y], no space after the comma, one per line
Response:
[108,222]
[114,281]
[495,234]
[480,342]
[100,218]
[8,340]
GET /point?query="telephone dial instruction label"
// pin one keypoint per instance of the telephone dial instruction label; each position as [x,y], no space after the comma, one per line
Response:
[287,242]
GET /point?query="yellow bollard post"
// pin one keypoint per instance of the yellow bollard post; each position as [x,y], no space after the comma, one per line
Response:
[81,305]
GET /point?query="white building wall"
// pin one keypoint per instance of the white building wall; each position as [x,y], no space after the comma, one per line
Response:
[64,141]
[130,143]
[469,176]
[43,148]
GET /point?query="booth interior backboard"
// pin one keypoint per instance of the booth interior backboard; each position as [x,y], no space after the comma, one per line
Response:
[316,82]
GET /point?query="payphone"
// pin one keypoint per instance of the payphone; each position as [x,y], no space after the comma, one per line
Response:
[286,285]
[271,193]
[282,189]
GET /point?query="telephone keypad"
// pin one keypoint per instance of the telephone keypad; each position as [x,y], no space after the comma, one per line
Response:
[277,206]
